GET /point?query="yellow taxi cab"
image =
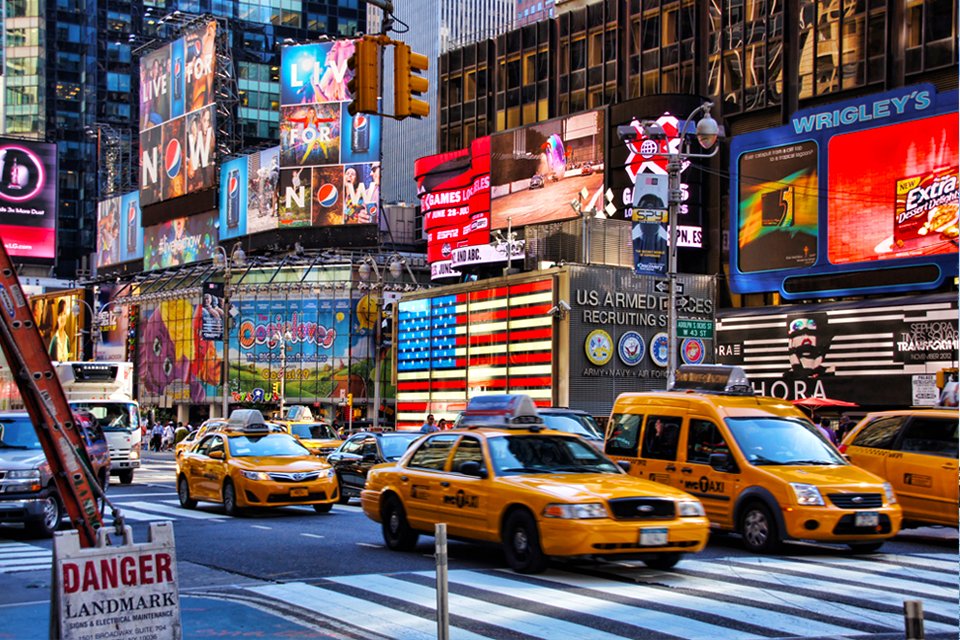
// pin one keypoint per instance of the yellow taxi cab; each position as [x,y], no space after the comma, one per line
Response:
[758,465]
[319,437]
[247,464]
[192,438]
[916,451]
[540,493]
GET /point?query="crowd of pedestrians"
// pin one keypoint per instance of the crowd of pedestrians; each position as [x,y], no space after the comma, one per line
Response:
[163,436]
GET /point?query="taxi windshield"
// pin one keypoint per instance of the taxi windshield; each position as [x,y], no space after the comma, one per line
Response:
[781,441]
[513,455]
[274,444]
[315,431]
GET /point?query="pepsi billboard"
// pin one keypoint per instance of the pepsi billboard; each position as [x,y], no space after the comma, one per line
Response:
[28,199]
[178,117]
[248,194]
[119,230]
[329,160]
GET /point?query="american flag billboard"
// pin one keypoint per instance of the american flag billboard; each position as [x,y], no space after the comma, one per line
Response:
[486,339]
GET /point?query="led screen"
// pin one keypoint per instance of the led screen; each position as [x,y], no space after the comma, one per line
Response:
[329,160]
[178,117]
[119,231]
[248,194]
[28,199]
[60,317]
[538,171]
[180,241]
[820,206]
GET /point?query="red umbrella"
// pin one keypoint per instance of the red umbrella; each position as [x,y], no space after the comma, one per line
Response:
[815,404]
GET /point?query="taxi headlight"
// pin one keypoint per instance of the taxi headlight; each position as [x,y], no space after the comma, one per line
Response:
[690,509]
[807,494]
[575,511]
[254,475]
[888,490]
[327,473]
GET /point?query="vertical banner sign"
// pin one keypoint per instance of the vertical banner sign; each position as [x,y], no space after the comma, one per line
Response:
[125,592]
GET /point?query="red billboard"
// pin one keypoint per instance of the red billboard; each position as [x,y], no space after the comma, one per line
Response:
[28,199]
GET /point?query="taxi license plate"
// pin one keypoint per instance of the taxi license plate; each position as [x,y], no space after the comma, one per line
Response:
[866,519]
[653,537]
[298,493]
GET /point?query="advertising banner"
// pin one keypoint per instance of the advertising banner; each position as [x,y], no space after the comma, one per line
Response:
[177,364]
[866,352]
[178,117]
[28,199]
[248,194]
[113,325]
[318,345]
[212,312]
[329,160]
[849,188]
[61,317]
[540,170]
[455,200]
[180,241]
[119,233]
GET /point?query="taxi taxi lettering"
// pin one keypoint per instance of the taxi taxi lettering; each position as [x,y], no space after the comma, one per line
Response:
[704,485]
[462,500]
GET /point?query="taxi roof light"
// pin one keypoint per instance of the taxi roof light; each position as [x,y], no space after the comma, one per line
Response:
[713,378]
[508,410]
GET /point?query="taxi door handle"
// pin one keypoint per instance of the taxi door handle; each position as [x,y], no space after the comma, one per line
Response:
[403,478]
[949,466]
[671,467]
[686,470]
[444,484]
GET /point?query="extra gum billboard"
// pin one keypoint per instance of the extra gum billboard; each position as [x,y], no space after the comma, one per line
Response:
[820,206]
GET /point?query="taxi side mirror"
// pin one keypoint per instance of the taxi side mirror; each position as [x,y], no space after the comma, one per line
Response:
[472,468]
[216,455]
[721,462]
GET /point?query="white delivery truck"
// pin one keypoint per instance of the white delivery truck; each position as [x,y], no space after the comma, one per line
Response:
[105,389]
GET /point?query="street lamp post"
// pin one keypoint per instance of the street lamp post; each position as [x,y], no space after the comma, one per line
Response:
[282,339]
[707,134]
[220,255]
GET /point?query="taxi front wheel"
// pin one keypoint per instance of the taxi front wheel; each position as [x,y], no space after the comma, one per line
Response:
[759,529]
[865,547]
[521,544]
[323,507]
[230,500]
[397,533]
[662,560]
[183,494]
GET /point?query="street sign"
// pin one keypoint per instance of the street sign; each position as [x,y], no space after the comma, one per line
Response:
[694,328]
[663,286]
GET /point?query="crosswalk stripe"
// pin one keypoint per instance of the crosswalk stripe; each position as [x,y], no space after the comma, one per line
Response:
[654,595]
[822,569]
[167,510]
[885,567]
[360,612]
[525,622]
[16,557]
[771,579]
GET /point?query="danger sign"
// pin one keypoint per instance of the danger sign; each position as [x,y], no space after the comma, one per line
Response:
[126,592]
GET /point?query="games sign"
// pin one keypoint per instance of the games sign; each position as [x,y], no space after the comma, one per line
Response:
[329,160]
[28,199]
[178,117]
[846,190]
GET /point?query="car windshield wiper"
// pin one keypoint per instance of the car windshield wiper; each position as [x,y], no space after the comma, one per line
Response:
[760,460]
[4,445]
[803,462]
[580,468]
[526,470]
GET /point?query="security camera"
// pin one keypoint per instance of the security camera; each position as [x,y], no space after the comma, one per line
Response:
[560,309]
[564,305]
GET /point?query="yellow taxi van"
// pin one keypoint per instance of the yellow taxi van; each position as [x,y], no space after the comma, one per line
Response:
[758,465]
[915,450]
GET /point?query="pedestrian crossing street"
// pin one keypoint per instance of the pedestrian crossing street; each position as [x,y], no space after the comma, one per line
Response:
[717,599]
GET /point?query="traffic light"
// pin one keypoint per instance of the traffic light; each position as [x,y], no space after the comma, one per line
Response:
[349,399]
[407,85]
[365,84]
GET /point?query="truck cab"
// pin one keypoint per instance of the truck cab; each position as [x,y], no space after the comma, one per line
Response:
[105,390]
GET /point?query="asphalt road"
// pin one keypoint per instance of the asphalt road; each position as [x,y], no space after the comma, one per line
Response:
[294,573]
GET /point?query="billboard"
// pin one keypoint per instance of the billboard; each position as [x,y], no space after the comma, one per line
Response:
[61,318]
[119,230]
[248,194]
[874,352]
[28,199]
[114,326]
[454,190]
[180,241]
[453,346]
[329,160]
[178,117]
[539,171]
[820,206]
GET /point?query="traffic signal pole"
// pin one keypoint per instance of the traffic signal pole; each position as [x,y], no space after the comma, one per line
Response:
[47,406]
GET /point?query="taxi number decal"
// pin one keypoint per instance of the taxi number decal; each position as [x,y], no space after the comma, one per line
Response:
[917,480]
[660,477]
[462,500]
[704,485]
[419,491]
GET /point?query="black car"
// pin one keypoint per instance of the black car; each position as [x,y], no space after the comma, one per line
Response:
[573,421]
[352,459]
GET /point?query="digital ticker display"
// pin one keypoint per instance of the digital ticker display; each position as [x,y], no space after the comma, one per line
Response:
[329,160]
[178,117]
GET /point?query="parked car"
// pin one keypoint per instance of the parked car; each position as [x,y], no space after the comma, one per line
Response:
[356,455]
[916,451]
[28,493]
